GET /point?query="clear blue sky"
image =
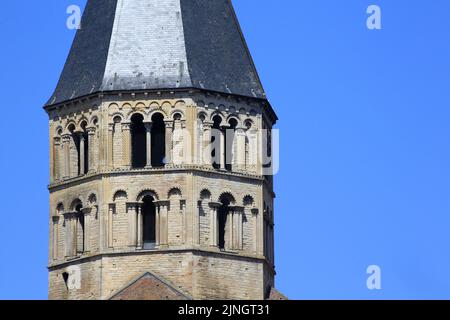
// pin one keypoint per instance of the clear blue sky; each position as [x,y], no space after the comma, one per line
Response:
[365,154]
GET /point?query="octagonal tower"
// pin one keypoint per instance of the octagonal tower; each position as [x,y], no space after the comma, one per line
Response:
[159,134]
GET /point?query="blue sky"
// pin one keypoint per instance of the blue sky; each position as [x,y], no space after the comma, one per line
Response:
[365,153]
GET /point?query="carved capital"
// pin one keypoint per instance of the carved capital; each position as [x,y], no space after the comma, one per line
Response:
[133,205]
[169,124]
[241,129]
[208,124]
[91,130]
[237,209]
[66,137]
[70,215]
[162,203]
[126,126]
[215,205]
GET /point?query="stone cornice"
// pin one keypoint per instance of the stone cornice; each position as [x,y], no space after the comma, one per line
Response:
[172,169]
[204,250]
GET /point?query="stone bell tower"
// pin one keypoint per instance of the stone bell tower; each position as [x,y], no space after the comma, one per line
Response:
[159,131]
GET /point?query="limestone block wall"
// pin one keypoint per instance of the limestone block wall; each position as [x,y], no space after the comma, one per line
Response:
[227,277]
[202,275]
[87,283]
[188,191]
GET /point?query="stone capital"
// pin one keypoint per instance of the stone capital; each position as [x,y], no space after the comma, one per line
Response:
[208,124]
[215,205]
[162,203]
[70,215]
[66,137]
[126,125]
[133,205]
[168,123]
[86,211]
[237,209]
[91,130]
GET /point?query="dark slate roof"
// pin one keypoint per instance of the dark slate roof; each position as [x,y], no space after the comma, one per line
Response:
[152,44]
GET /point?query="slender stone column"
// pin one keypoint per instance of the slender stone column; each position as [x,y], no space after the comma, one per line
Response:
[222,148]
[165,218]
[206,150]
[56,163]
[111,146]
[178,143]
[186,143]
[140,227]
[199,143]
[68,234]
[82,149]
[91,147]
[163,206]
[74,235]
[87,228]
[231,225]
[66,148]
[55,237]
[237,223]
[255,230]
[157,226]
[214,223]
[240,149]
[148,128]
[169,142]
[126,144]
[252,150]
[132,224]
[111,210]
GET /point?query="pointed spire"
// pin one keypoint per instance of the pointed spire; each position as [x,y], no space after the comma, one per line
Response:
[128,45]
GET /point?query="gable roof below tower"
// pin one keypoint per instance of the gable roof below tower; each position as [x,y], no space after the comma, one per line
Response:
[149,287]
[274,294]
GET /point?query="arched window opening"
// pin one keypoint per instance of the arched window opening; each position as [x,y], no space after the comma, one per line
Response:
[158,141]
[177,116]
[149,222]
[74,152]
[223,216]
[138,141]
[80,228]
[229,143]
[215,141]
[224,224]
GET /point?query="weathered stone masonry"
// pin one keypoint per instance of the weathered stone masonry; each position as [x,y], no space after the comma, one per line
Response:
[163,176]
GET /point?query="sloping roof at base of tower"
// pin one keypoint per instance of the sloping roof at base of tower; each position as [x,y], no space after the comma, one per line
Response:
[274,294]
[150,287]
